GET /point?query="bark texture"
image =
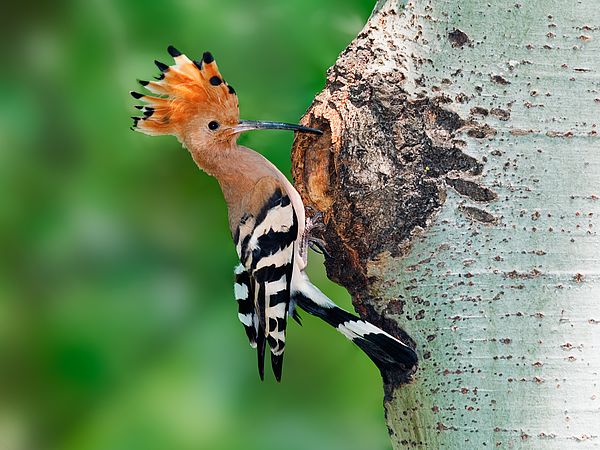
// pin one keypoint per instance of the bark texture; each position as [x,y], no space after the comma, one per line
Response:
[459,177]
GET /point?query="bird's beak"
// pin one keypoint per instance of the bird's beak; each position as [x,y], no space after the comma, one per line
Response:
[247,125]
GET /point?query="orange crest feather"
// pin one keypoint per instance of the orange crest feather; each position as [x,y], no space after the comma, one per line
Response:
[182,92]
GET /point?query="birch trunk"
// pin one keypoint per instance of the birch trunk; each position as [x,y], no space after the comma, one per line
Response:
[459,181]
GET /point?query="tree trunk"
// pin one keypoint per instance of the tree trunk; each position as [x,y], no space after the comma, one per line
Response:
[459,182]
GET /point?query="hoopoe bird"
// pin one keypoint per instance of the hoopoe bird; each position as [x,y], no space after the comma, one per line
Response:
[267,219]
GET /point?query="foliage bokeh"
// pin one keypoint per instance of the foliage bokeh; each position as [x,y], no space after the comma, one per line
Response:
[118,329]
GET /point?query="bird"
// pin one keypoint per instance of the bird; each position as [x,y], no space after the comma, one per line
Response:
[266,215]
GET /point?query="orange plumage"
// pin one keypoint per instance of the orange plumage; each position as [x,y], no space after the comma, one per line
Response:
[185,90]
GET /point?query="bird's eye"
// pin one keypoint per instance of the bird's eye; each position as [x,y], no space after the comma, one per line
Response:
[213,125]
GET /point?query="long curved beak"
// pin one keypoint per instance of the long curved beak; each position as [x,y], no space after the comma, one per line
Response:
[247,125]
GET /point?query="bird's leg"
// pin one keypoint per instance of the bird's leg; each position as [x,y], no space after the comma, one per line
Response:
[315,223]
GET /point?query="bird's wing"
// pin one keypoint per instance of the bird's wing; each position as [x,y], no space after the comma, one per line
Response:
[244,295]
[265,245]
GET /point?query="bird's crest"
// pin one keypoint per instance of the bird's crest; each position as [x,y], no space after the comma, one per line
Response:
[182,91]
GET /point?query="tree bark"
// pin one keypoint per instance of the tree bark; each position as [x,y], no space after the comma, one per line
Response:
[459,180]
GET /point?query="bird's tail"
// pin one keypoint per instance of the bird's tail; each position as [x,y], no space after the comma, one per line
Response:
[387,352]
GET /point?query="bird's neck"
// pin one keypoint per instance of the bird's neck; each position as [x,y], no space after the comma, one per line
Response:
[230,164]
[215,160]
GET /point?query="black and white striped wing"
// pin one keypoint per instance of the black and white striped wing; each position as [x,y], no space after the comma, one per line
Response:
[265,246]
[244,295]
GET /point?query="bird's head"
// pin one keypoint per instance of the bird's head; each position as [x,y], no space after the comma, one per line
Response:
[193,102]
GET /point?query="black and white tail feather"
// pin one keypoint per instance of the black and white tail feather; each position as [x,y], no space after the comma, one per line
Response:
[387,352]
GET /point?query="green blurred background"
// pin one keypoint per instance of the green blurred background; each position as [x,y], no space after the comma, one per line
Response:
[118,326]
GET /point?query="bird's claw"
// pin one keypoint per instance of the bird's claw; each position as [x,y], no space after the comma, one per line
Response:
[315,221]
[318,246]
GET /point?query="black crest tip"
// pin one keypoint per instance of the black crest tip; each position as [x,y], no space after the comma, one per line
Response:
[231,89]
[173,51]
[207,57]
[215,81]
[161,66]
[198,64]
[143,82]
[136,95]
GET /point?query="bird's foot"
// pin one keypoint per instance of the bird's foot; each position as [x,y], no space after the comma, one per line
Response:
[318,246]
[315,223]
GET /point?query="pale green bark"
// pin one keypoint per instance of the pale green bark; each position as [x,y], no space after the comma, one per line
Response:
[502,298]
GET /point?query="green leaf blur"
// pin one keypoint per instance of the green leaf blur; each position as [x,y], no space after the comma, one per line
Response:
[118,327]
